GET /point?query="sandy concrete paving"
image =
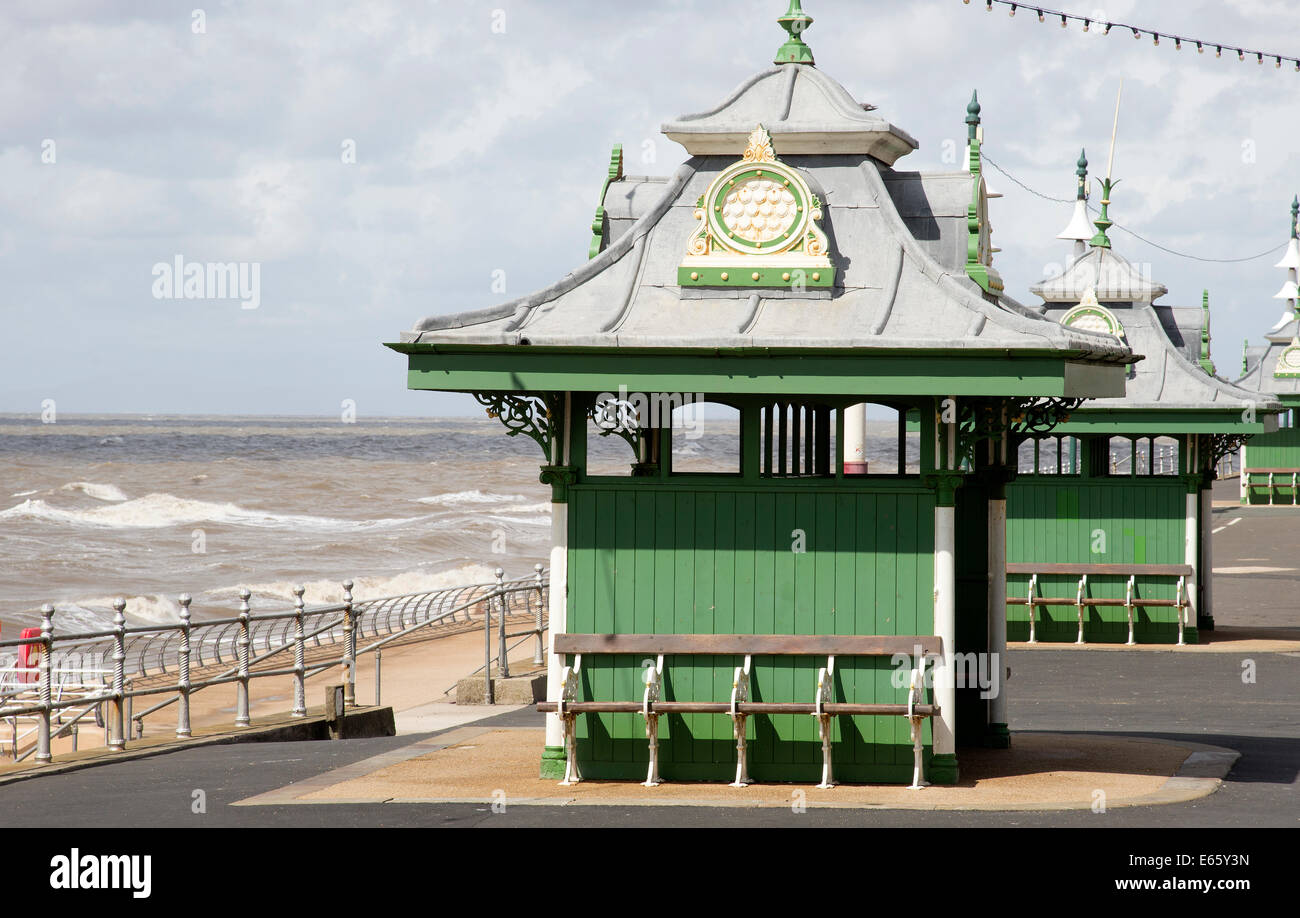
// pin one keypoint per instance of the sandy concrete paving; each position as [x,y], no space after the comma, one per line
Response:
[1040,772]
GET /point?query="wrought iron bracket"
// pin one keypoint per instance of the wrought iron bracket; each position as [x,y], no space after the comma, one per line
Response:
[617,417]
[533,415]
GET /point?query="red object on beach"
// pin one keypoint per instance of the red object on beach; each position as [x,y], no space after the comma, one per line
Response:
[29,656]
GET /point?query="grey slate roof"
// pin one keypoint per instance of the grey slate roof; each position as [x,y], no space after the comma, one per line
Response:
[1261,361]
[1169,377]
[897,240]
[803,109]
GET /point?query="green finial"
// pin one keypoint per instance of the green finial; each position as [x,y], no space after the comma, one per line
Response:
[1245,361]
[1206,363]
[1083,175]
[1104,222]
[1295,215]
[973,116]
[795,22]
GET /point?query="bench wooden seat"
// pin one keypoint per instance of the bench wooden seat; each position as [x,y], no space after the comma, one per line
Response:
[1082,601]
[919,648]
[1289,478]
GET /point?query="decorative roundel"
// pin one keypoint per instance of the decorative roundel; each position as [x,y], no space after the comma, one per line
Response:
[759,209]
[1288,362]
[1091,316]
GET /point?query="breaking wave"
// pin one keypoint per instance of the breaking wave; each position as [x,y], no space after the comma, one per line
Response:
[157,511]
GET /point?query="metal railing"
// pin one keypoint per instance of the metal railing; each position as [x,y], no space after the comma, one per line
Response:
[147,651]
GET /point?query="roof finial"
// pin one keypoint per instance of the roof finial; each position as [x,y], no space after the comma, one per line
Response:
[1080,228]
[795,22]
[973,116]
[1103,223]
[1295,215]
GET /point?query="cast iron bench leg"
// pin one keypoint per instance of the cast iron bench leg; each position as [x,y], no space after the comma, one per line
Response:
[825,683]
[653,683]
[915,696]
[740,694]
[568,693]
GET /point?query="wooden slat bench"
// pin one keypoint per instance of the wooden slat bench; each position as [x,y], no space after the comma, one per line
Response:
[1277,478]
[1082,601]
[919,648]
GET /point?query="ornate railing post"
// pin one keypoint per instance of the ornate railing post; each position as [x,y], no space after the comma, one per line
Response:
[116,726]
[349,648]
[539,653]
[47,651]
[183,665]
[503,665]
[242,644]
[299,656]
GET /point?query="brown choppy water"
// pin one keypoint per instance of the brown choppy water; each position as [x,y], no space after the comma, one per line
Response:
[149,508]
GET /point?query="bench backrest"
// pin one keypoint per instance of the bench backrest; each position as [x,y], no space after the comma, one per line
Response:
[1118,570]
[812,645]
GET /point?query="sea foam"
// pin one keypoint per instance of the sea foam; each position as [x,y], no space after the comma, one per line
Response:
[157,511]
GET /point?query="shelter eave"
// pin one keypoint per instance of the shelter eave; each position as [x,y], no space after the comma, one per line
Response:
[759,371]
[1157,421]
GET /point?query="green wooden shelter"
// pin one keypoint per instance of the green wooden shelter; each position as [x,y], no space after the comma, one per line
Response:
[1270,464]
[1121,491]
[788,271]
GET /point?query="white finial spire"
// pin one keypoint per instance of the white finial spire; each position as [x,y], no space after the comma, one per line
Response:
[1080,229]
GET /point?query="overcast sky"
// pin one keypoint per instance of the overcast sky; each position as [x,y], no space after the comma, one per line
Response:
[482,132]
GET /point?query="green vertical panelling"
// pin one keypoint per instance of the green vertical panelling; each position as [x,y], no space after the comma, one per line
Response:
[1052,519]
[652,559]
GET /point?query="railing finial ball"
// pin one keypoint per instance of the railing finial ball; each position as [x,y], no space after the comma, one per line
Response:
[47,609]
[119,604]
[244,593]
[538,567]
[500,573]
[347,584]
[299,589]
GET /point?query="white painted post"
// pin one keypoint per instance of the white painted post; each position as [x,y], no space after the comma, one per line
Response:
[945,627]
[1242,483]
[558,602]
[558,613]
[998,607]
[1191,531]
[1207,556]
[855,440]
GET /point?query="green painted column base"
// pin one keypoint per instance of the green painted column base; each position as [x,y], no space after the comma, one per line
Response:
[553,762]
[997,736]
[942,769]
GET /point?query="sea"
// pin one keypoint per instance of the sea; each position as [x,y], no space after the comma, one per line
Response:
[147,508]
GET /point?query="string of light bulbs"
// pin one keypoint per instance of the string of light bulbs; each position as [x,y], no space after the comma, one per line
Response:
[1047,197]
[1140,32]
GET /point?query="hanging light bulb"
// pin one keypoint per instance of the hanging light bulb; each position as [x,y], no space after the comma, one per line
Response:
[1241,55]
[1261,59]
[1279,63]
[1040,16]
[1218,51]
[1156,36]
[1087,25]
[1200,48]
[1137,34]
[1178,44]
[1013,10]
[1108,28]
[1064,24]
